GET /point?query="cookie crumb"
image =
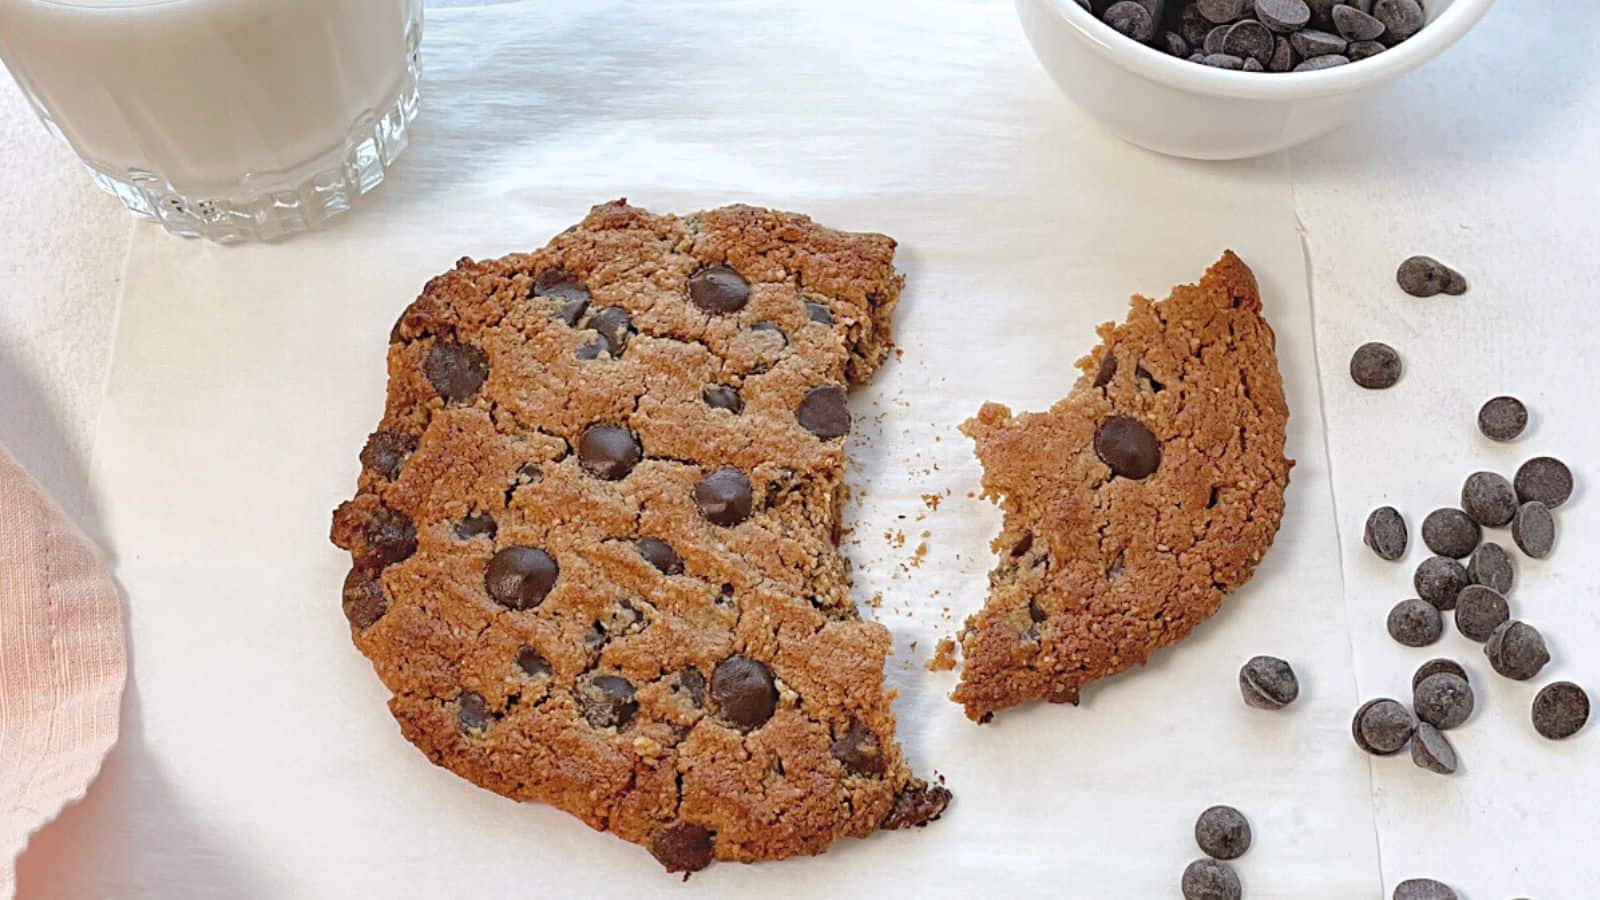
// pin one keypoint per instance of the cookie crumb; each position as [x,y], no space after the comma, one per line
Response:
[944,656]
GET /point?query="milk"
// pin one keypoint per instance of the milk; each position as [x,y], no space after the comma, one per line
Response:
[212,101]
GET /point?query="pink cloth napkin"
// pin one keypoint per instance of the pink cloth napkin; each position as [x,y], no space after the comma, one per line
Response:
[62,663]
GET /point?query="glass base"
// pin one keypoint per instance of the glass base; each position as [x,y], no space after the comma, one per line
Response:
[303,200]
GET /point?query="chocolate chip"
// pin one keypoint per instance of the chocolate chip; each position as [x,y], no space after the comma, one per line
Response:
[1213,42]
[1431,750]
[1107,370]
[816,312]
[1381,727]
[1313,42]
[723,497]
[592,349]
[1127,447]
[520,577]
[1516,650]
[1132,19]
[1283,56]
[693,684]
[1488,499]
[1450,532]
[1192,25]
[1356,25]
[1360,50]
[1443,700]
[1283,15]
[1435,667]
[1267,682]
[386,451]
[1221,12]
[720,396]
[1208,879]
[477,524]
[1502,419]
[1223,61]
[1386,533]
[1250,39]
[472,712]
[1479,610]
[606,701]
[823,412]
[1439,580]
[745,692]
[608,452]
[660,554]
[1545,479]
[682,847]
[1491,566]
[1423,889]
[1419,276]
[1316,64]
[915,806]
[1252,65]
[571,312]
[858,750]
[559,284]
[719,290]
[1401,19]
[1374,365]
[1534,529]
[1415,623]
[1560,710]
[364,600]
[1222,833]
[456,371]
[615,327]
[532,662]
[388,537]
[1173,44]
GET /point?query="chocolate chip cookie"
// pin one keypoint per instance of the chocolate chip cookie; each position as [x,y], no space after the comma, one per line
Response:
[594,533]
[1135,504]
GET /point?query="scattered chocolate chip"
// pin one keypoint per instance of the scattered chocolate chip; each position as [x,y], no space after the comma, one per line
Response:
[723,497]
[1386,533]
[1491,566]
[614,325]
[1381,727]
[606,701]
[455,370]
[682,847]
[1283,15]
[1374,365]
[1222,833]
[1431,750]
[1516,650]
[816,312]
[1415,623]
[1267,682]
[1534,529]
[520,577]
[1423,889]
[1502,419]
[559,284]
[1422,276]
[745,692]
[1479,611]
[858,750]
[1488,499]
[476,525]
[386,451]
[1545,479]
[1249,39]
[1107,370]
[1127,447]
[915,806]
[1314,42]
[1439,581]
[1435,667]
[1451,532]
[660,554]
[1208,879]
[1560,710]
[532,662]
[823,412]
[472,712]
[364,600]
[719,290]
[1443,700]
[1318,63]
[608,452]
[720,396]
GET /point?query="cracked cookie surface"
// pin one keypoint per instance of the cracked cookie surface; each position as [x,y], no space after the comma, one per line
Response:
[593,541]
[1137,503]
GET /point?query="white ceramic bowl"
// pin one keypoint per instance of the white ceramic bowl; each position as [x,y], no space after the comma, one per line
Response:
[1174,106]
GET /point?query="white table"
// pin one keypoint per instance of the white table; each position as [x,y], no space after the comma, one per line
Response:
[1486,157]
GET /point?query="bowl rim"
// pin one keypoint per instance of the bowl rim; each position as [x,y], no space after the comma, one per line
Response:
[1456,20]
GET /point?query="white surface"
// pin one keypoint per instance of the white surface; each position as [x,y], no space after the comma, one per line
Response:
[1175,106]
[237,774]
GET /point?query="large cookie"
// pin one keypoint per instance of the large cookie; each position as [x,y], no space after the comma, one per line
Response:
[594,536]
[1136,503]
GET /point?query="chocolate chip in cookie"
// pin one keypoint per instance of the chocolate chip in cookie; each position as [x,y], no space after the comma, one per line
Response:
[520,577]
[720,396]
[823,412]
[364,601]
[660,554]
[386,451]
[683,847]
[1127,447]
[719,290]
[607,701]
[724,497]
[560,285]
[608,452]
[455,370]
[744,690]
[858,750]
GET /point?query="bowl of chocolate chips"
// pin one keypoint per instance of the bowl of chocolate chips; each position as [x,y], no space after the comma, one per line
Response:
[1227,79]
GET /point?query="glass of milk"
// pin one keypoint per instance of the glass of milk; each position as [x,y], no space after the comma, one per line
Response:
[232,120]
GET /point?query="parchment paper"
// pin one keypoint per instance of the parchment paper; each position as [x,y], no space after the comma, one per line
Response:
[259,759]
